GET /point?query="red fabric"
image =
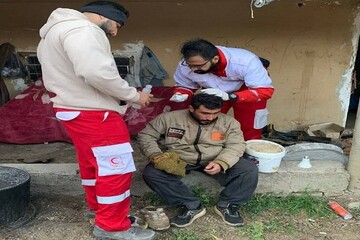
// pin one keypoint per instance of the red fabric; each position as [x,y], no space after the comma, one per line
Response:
[29,120]
[136,119]
[114,217]
[220,69]
[90,130]
[184,90]
[248,95]
[244,112]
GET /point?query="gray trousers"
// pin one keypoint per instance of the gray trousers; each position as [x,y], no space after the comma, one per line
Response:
[239,184]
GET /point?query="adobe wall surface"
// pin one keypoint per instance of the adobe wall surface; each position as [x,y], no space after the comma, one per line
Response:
[311,44]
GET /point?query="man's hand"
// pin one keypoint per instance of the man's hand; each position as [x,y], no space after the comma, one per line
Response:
[144,99]
[179,97]
[212,168]
[169,162]
[216,92]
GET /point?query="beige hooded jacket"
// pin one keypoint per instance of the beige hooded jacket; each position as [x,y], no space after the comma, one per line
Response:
[78,66]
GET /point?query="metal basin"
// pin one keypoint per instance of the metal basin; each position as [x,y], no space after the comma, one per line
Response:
[14,194]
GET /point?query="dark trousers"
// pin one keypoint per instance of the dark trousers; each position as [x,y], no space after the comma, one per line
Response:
[239,184]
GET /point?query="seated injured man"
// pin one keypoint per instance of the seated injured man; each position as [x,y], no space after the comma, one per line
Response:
[202,139]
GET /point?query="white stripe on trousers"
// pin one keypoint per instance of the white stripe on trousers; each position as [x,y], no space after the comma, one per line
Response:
[113,199]
[88,182]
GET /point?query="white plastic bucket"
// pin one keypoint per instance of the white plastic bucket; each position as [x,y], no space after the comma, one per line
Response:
[268,161]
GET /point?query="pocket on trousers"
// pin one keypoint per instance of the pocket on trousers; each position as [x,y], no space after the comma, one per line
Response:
[67,116]
[114,159]
[260,120]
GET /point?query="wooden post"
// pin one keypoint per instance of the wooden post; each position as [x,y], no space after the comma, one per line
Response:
[354,159]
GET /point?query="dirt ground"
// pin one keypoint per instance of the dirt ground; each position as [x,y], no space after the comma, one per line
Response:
[54,217]
[63,217]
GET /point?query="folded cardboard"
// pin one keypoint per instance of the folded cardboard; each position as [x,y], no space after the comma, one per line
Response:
[330,130]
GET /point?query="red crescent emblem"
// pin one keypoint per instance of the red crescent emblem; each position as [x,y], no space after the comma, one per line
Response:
[113,160]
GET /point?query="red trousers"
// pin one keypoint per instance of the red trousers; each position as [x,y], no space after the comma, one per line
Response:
[252,117]
[104,153]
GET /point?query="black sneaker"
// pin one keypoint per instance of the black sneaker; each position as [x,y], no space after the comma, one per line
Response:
[187,216]
[230,215]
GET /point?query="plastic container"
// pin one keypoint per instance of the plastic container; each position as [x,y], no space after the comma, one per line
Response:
[339,210]
[269,161]
[146,89]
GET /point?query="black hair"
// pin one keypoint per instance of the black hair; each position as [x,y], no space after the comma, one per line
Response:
[110,3]
[208,101]
[199,47]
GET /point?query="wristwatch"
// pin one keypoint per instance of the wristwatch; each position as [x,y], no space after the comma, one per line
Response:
[233,97]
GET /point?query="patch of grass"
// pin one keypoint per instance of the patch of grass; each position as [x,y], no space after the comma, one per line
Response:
[274,224]
[152,198]
[280,210]
[260,203]
[254,231]
[184,235]
[207,199]
[355,212]
[290,228]
[311,205]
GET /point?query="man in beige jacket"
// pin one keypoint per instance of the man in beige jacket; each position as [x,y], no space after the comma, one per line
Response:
[198,139]
[78,66]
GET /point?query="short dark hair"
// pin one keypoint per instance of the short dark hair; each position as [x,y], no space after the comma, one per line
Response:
[110,3]
[209,101]
[199,47]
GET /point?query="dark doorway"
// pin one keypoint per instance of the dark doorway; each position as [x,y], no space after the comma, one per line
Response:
[355,93]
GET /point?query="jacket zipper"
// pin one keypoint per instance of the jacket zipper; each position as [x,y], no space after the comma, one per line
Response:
[198,160]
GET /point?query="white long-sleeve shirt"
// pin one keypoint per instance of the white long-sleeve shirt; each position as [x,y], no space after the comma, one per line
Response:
[236,67]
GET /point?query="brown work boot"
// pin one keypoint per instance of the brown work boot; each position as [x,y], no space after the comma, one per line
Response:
[156,218]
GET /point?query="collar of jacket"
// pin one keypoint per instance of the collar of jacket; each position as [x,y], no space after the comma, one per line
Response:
[198,122]
[220,68]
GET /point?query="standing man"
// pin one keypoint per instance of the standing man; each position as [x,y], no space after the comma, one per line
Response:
[78,66]
[199,139]
[236,75]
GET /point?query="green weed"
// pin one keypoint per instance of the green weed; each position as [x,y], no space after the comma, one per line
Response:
[254,231]
[207,199]
[282,223]
[152,198]
[185,235]
[355,212]
[286,206]
[313,206]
